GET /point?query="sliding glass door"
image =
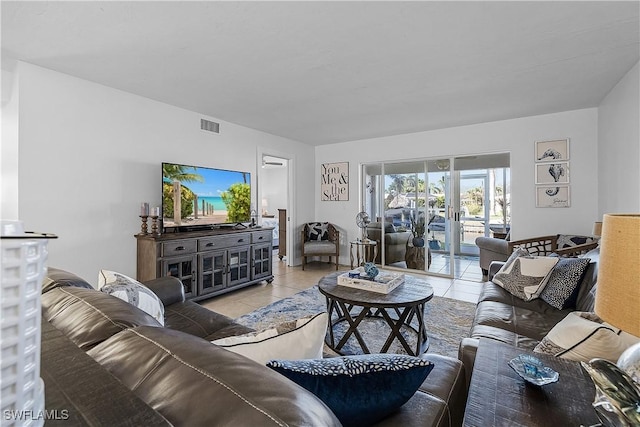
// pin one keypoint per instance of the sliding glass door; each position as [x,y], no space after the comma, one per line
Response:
[425,213]
[407,203]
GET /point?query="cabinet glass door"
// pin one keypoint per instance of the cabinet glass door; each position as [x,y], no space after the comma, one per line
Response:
[212,277]
[261,261]
[238,266]
[183,269]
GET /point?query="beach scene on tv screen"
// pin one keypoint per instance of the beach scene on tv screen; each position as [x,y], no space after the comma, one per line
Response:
[207,196]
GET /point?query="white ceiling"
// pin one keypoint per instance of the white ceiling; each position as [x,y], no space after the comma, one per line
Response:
[325,72]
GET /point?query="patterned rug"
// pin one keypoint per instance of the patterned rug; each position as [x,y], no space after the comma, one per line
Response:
[447,321]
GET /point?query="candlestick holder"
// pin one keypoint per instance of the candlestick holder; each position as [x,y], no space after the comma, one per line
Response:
[154,225]
[143,228]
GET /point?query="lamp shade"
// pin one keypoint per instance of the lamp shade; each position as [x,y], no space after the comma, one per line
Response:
[597,228]
[618,291]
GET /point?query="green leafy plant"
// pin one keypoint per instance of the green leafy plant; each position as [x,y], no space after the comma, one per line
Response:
[171,173]
[418,227]
[186,201]
[238,202]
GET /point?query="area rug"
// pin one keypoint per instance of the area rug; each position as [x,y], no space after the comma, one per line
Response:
[447,321]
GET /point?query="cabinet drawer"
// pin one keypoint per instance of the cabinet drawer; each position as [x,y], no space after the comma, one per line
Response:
[261,236]
[210,243]
[236,239]
[178,247]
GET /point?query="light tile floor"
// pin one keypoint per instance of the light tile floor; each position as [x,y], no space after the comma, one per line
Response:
[290,280]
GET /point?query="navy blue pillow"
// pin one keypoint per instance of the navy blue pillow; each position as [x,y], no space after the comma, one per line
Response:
[361,389]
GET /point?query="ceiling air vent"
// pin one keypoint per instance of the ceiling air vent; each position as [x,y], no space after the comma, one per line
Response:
[209,126]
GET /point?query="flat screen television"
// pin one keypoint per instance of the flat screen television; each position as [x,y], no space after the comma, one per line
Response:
[208,197]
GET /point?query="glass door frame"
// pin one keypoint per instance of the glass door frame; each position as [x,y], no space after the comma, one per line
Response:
[459,212]
[374,206]
[373,187]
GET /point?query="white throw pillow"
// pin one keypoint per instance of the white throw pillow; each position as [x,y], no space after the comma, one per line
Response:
[298,339]
[131,291]
[582,336]
[526,276]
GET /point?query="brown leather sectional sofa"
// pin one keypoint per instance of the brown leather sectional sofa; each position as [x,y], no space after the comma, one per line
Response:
[505,318]
[105,362]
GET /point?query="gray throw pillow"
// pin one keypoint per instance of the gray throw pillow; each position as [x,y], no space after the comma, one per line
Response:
[524,276]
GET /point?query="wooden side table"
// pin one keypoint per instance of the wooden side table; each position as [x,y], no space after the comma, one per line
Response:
[499,397]
[365,251]
[499,234]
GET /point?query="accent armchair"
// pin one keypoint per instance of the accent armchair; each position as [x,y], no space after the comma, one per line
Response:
[320,239]
[492,249]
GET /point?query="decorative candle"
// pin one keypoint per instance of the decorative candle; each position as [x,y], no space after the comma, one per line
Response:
[155,211]
[144,209]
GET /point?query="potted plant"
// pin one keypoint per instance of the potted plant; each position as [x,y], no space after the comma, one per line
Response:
[418,229]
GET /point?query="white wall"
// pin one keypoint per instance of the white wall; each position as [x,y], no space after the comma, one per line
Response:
[274,189]
[515,136]
[619,147]
[89,154]
[9,144]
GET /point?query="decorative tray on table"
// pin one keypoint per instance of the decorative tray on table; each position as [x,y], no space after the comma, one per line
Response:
[383,283]
[531,369]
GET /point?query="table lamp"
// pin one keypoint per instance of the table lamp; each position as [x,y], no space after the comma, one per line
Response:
[597,228]
[618,303]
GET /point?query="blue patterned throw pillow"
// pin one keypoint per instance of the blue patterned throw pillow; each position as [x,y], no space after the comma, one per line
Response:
[362,389]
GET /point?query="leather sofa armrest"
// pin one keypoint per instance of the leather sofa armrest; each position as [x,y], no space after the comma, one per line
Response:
[169,289]
[467,355]
[494,267]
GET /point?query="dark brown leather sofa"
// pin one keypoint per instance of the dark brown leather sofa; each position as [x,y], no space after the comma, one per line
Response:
[505,318]
[105,362]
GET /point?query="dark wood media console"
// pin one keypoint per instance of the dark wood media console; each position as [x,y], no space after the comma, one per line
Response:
[210,262]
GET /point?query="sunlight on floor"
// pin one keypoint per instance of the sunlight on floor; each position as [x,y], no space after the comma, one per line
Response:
[291,280]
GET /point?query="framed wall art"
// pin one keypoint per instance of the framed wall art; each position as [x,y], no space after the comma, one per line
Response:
[552,151]
[557,196]
[334,181]
[552,173]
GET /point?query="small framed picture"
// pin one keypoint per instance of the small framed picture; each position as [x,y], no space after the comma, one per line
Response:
[552,173]
[557,196]
[552,151]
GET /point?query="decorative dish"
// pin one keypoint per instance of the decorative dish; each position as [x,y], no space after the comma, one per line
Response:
[531,369]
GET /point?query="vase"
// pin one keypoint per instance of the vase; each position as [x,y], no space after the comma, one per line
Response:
[418,242]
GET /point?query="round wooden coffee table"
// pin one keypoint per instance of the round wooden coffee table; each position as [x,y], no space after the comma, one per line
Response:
[397,308]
